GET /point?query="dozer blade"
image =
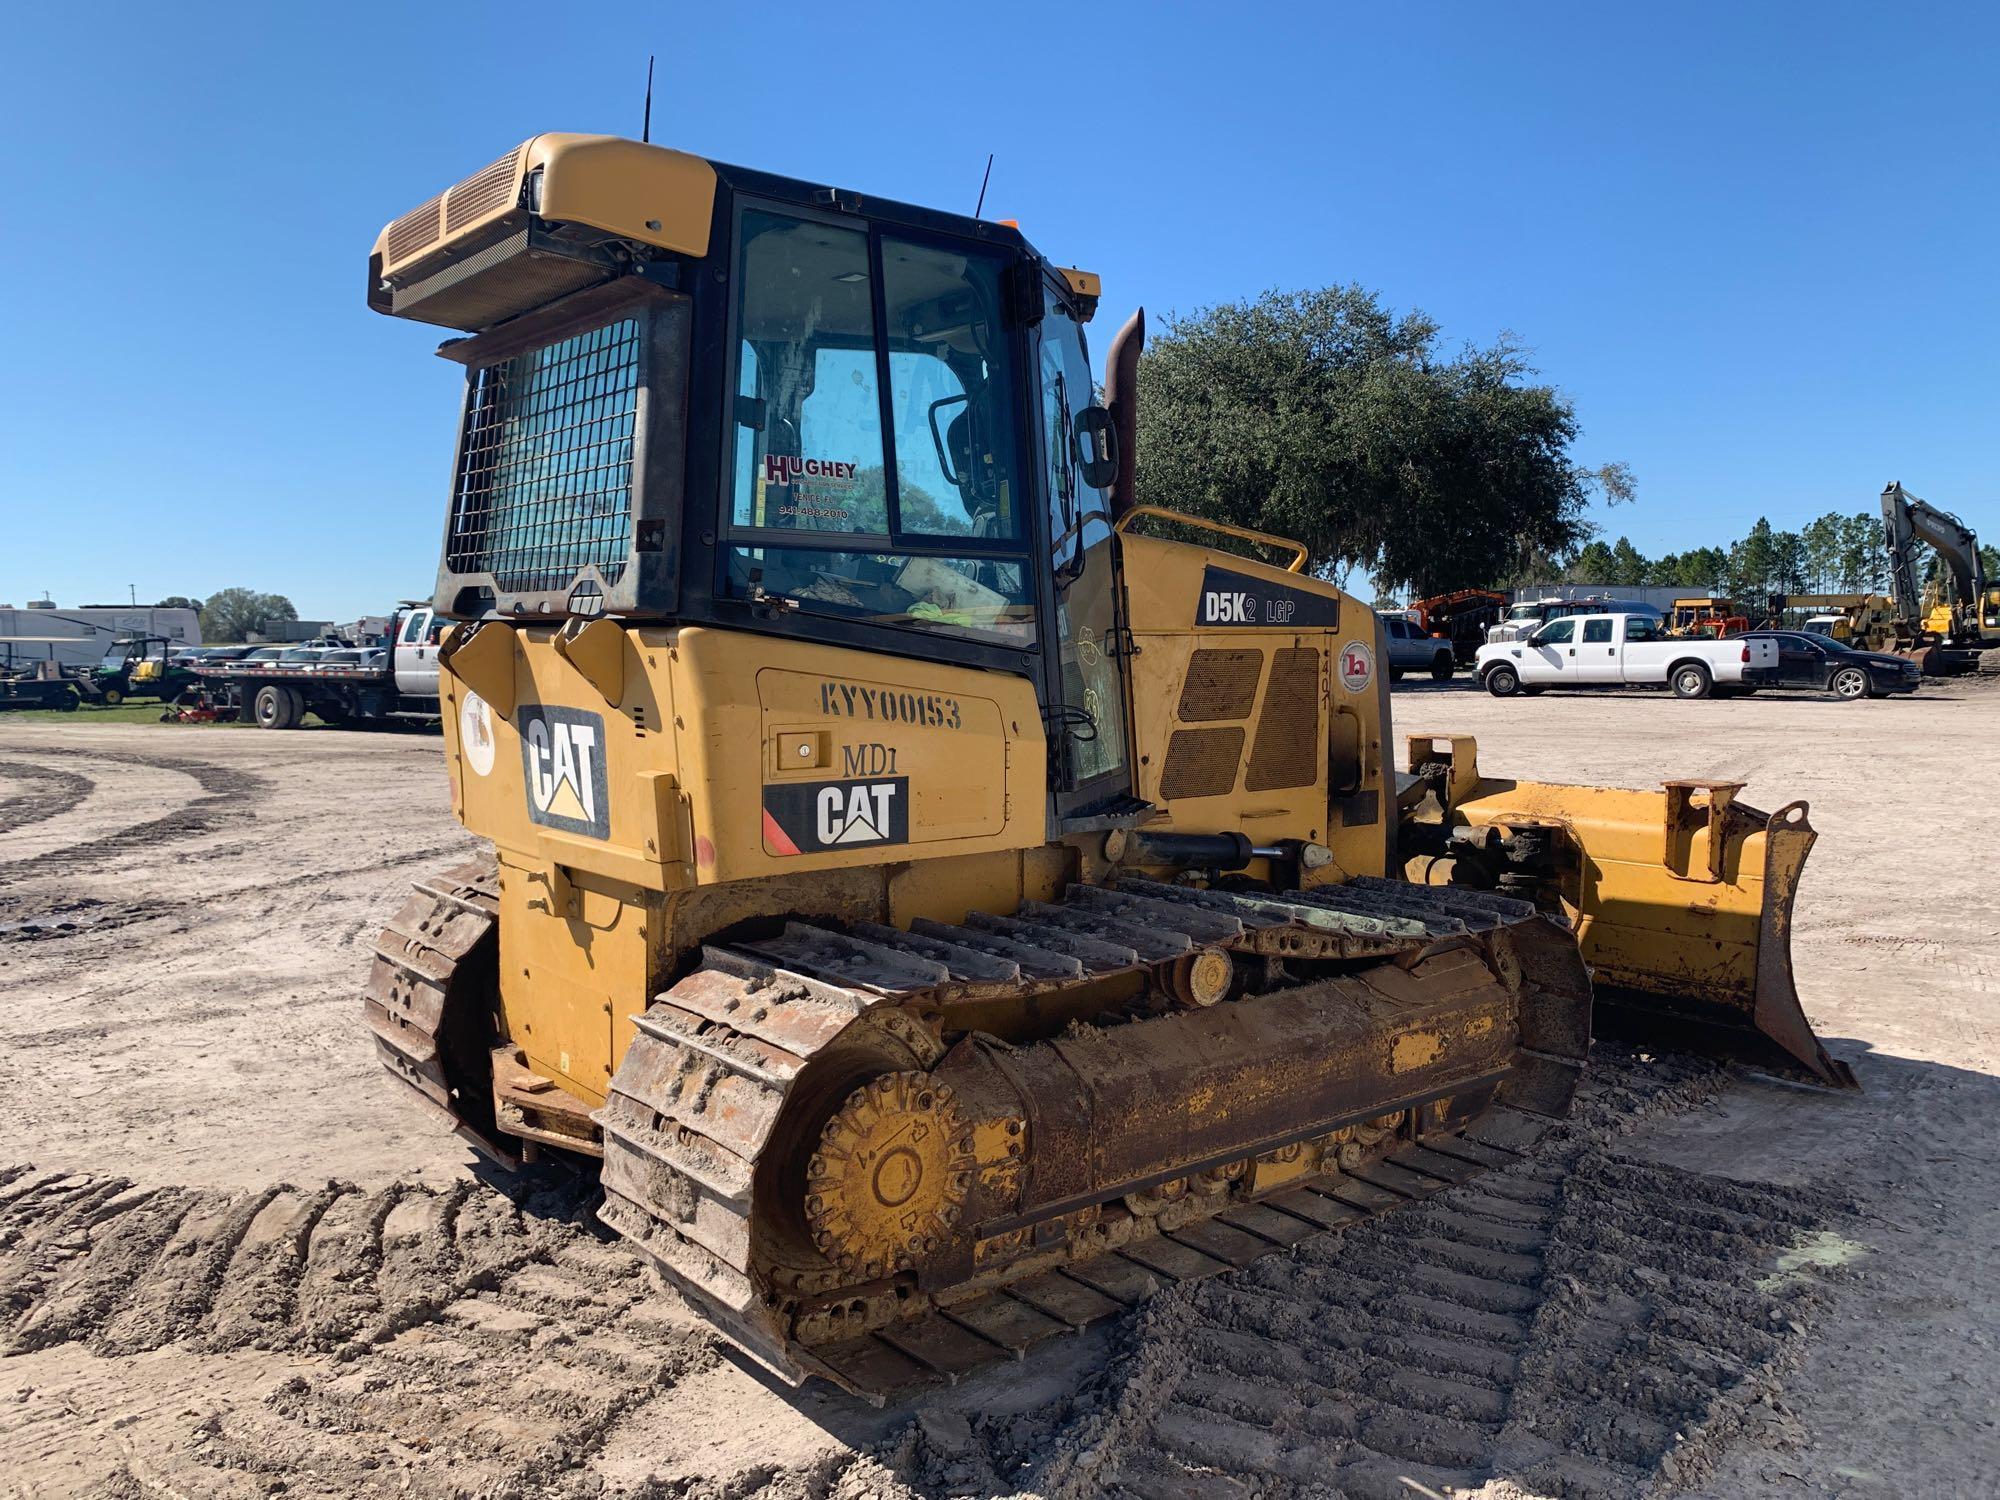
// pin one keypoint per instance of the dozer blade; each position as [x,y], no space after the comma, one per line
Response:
[1681,898]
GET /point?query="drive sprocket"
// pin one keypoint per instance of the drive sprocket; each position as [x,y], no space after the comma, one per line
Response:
[889,1178]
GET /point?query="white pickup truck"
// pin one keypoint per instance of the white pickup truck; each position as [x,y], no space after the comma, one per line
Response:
[1623,650]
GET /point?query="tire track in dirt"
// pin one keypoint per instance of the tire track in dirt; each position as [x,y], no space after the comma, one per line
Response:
[50,792]
[123,1268]
[1622,1327]
[473,1341]
[225,789]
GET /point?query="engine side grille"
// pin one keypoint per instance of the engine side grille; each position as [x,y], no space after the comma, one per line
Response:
[1288,750]
[1220,685]
[1201,763]
[481,193]
[544,484]
[416,229]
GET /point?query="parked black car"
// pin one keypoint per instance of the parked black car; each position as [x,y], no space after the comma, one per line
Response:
[1821,663]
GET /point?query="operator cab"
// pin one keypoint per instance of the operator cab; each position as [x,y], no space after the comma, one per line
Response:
[700,394]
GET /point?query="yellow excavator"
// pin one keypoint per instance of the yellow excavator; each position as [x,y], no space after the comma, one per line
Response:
[942,908]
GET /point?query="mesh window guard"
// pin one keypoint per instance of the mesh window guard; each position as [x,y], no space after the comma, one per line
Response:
[544,484]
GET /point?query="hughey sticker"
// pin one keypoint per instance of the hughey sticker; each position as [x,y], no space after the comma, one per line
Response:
[804,486]
[801,817]
[562,766]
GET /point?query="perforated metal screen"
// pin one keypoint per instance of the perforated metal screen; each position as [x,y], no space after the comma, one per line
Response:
[544,485]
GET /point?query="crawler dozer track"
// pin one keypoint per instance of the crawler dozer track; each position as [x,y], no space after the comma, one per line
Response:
[821,1139]
[429,1000]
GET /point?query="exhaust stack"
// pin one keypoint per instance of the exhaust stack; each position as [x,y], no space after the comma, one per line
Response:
[1121,396]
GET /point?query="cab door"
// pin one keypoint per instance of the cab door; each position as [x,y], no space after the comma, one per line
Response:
[416,654]
[1597,648]
[1086,714]
[1551,653]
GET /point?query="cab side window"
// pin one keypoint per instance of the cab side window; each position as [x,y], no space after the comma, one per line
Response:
[1639,628]
[1597,632]
[1556,633]
[951,383]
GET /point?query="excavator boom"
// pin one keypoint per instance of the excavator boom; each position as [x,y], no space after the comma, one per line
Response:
[1952,637]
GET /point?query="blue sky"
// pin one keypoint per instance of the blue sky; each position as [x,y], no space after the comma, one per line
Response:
[1755,244]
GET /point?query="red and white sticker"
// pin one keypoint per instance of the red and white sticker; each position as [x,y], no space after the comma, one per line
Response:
[1357,666]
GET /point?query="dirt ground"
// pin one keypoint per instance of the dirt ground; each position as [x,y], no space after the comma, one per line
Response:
[234,1262]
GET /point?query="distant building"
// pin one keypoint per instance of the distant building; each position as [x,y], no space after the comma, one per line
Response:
[79,637]
[290,630]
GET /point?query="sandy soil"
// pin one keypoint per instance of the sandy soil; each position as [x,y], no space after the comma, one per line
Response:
[234,1262]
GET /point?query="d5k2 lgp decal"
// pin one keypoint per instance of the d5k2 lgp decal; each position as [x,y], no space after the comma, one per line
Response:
[562,765]
[803,817]
[1232,600]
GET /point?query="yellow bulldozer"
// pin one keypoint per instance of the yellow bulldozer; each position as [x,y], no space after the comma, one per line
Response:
[941,907]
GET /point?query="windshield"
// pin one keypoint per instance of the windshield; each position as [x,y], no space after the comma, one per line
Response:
[875,468]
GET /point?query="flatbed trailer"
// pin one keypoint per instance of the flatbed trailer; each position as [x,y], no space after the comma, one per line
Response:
[398,689]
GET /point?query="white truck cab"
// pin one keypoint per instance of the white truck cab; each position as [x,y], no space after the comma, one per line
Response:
[416,648]
[1622,650]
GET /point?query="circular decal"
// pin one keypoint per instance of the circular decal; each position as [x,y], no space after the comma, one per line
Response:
[1357,666]
[475,734]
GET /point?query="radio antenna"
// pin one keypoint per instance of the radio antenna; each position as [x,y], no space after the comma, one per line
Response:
[982,185]
[646,127]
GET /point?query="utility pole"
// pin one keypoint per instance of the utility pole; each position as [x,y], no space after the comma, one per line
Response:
[135,594]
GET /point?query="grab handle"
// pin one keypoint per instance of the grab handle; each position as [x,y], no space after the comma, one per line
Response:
[1297,564]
